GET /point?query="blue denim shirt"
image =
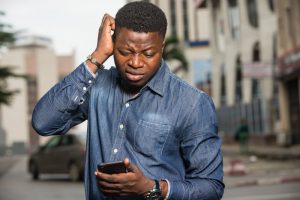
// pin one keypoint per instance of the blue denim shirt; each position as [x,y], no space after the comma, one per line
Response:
[169,130]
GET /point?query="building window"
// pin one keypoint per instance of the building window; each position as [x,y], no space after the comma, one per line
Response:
[173,18]
[255,89]
[290,27]
[200,3]
[185,20]
[256,52]
[252,13]
[271,5]
[238,81]
[234,18]
[223,85]
[216,3]
[255,82]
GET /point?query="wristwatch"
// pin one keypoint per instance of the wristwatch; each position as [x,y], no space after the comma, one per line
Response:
[155,192]
[95,62]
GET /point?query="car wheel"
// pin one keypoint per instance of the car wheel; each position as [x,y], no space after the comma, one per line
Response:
[34,171]
[74,172]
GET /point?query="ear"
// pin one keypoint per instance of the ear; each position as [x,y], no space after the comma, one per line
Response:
[113,36]
[163,46]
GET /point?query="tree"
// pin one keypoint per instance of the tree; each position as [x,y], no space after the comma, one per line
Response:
[7,37]
[173,51]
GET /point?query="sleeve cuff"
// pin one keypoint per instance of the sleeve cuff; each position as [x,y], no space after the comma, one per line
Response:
[169,186]
[92,73]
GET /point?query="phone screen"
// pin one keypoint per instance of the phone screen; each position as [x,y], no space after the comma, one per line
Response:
[112,167]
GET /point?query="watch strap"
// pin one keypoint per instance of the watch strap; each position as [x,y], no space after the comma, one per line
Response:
[95,62]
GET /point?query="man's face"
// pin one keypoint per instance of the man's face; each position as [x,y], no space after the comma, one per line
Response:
[137,57]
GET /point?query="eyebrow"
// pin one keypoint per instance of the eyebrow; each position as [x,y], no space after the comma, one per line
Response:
[127,47]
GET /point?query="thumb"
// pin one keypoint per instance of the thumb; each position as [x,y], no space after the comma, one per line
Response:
[129,166]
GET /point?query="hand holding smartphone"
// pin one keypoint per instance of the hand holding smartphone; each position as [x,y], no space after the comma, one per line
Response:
[112,167]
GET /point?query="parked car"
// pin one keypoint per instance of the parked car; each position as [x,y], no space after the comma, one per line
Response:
[60,155]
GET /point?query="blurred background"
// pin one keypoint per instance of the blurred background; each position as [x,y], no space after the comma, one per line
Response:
[244,53]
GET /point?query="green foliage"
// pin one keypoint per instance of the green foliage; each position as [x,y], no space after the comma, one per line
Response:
[7,37]
[173,51]
[6,96]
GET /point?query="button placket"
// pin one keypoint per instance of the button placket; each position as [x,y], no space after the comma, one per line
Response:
[115,151]
[120,135]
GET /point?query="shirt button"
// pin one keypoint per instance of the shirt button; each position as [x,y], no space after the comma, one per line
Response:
[127,105]
[115,151]
[90,81]
[121,126]
[84,88]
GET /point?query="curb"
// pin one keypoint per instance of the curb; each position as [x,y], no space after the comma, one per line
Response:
[268,181]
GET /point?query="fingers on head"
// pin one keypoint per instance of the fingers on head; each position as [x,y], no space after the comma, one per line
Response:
[109,20]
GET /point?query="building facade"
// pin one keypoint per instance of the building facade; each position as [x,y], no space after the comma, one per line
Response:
[243,46]
[288,72]
[34,57]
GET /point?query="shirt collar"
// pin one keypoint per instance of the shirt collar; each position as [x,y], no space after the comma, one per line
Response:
[159,80]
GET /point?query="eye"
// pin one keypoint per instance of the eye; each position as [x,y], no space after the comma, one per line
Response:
[124,52]
[148,54]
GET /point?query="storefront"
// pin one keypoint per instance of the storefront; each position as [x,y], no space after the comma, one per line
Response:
[289,94]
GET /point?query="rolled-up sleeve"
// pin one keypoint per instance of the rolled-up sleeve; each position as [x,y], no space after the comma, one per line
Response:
[201,150]
[65,104]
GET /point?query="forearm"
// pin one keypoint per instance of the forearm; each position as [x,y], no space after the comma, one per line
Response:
[204,189]
[64,105]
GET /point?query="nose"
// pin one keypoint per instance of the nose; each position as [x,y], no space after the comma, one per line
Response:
[136,61]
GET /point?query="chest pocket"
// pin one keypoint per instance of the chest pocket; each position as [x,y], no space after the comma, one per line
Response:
[150,137]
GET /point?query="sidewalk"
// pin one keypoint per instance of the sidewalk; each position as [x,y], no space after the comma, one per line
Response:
[262,165]
[265,151]
[6,163]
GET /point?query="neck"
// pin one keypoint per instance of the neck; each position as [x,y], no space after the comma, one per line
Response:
[132,91]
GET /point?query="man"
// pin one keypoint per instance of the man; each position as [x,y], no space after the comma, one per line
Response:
[163,130]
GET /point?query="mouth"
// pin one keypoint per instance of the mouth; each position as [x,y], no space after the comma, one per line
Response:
[134,77]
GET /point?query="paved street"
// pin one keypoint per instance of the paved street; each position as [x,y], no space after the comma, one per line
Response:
[264,179]
[16,184]
[260,170]
[268,174]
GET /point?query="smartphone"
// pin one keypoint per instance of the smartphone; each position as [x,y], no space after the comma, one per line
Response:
[112,167]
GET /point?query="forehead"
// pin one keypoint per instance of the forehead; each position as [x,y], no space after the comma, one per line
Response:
[128,37]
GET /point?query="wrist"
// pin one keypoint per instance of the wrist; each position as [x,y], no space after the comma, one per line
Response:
[164,188]
[155,192]
[148,186]
[95,61]
[101,58]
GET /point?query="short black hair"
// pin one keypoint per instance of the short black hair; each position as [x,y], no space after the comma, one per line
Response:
[141,16]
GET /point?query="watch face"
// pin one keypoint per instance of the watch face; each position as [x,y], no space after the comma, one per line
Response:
[154,195]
